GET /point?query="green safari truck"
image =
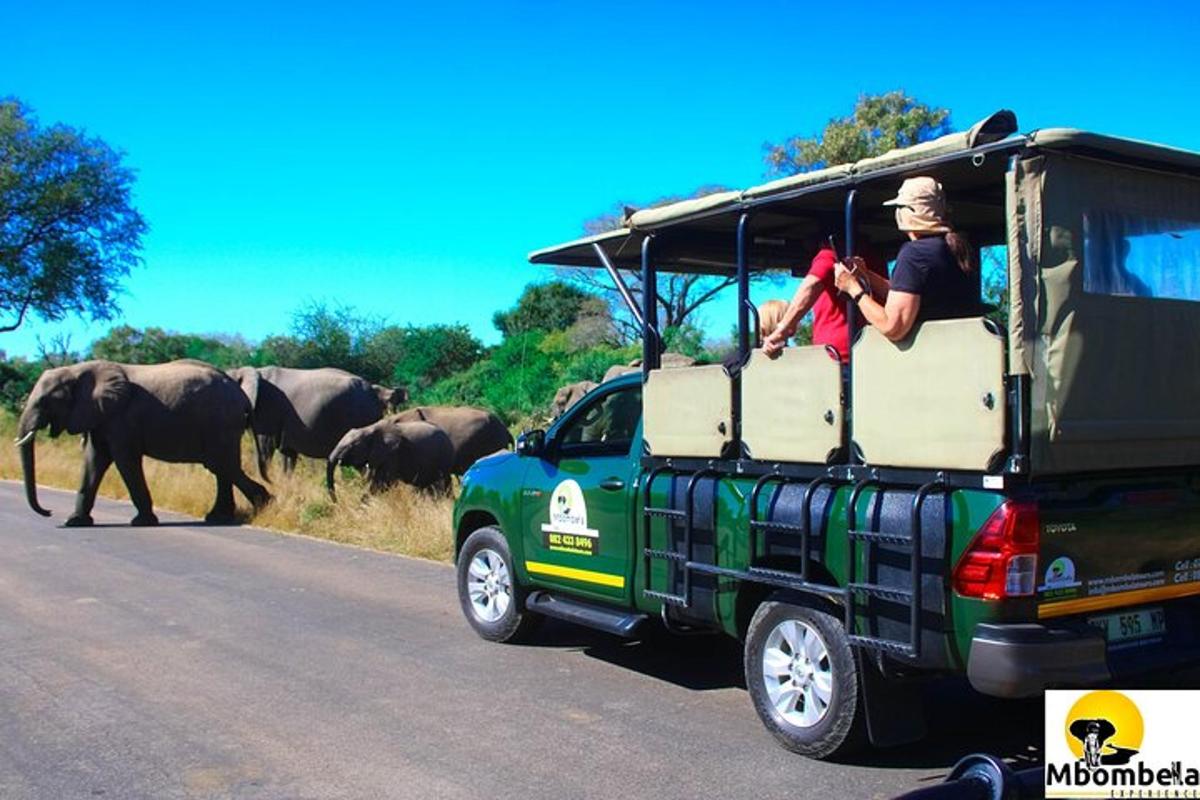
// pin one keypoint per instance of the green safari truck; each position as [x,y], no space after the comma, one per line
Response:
[1018,503]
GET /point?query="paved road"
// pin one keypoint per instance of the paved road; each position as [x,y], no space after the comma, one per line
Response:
[196,662]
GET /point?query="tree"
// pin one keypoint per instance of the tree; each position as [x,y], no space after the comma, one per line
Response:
[68,231]
[130,345]
[418,357]
[879,123]
[329,336]
[550,306]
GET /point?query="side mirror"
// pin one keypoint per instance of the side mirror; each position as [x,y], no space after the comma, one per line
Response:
[531,443]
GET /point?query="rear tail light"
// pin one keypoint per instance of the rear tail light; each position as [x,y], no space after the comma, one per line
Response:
[1002,559]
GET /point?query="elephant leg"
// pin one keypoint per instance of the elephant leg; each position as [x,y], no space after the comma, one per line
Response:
[96,461]
[226,465]
[129,464]
[222,512]
[254,491]
[289,461]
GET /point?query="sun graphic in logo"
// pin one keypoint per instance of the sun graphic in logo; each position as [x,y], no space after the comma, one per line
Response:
[1104,728]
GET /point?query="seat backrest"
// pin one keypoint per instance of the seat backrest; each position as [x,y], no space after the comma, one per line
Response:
[935,400]
[792,405]
[688,411]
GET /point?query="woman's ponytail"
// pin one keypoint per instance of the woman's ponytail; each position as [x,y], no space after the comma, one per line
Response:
[964,254]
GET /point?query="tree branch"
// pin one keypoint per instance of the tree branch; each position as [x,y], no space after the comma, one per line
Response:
[20,316]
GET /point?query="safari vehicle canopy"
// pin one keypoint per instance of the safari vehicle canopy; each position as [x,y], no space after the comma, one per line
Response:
[1098,370]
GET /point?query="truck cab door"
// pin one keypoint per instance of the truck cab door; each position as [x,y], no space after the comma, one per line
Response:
[577,505]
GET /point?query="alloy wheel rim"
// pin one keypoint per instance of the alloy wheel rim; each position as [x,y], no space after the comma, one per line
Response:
[798,673]
[488,585]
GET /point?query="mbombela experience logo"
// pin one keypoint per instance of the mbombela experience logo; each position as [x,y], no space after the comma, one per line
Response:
[1104,733]
[1105,729]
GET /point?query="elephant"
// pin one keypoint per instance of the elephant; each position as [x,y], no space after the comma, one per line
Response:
[389,451]
[180,412]
[568,396]
[393,399]
[668,360]
[305,411]
[474,432]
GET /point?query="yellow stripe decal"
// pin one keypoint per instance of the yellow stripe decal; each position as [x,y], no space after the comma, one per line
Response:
[585,575]
[1136,597]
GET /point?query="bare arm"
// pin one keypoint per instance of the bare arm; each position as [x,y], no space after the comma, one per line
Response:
[802,302]
[894,318]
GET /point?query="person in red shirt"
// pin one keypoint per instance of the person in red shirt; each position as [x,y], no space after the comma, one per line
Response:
[817,293]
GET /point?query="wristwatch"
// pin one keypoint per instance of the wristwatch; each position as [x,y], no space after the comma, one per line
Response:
[859,296]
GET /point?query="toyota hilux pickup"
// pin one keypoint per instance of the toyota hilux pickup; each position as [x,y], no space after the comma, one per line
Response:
[1018,504]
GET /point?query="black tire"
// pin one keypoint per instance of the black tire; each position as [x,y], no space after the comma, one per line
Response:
[841,729]
[511,624]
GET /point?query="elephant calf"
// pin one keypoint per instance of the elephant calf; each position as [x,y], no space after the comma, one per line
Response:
[475,433]
[417,453]
[183,412]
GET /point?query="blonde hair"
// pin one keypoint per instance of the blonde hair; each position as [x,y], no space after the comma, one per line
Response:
[770,314]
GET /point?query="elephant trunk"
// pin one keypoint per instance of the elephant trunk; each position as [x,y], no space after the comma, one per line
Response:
[264,450]
[330,466]
[28,430]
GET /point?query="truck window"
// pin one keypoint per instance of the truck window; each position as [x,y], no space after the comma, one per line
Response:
[603,426]
[1131,255]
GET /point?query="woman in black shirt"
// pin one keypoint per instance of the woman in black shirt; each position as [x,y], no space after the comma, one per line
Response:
[934,277]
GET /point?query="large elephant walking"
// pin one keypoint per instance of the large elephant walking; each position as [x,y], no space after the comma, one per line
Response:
[181,412]
[417,453]
[306,411]
[475,433]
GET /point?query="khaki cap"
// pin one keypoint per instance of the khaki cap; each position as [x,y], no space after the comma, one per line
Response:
[921,206]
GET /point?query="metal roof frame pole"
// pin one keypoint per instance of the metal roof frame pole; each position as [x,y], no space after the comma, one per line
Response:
[651,346]
[620,285]
[852,325]
[745,309]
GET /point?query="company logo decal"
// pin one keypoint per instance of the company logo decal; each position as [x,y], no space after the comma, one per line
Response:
[1060,574]
[1121,744]
[568,531]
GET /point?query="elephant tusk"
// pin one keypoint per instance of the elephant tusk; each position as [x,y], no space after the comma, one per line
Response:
[24,440]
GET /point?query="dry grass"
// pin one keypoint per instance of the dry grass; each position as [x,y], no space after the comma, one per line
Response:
[398,521]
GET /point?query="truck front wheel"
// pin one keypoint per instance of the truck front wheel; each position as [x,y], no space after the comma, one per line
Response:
[803,679]
[491,599]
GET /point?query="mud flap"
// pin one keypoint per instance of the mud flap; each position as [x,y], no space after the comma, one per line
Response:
[893,708]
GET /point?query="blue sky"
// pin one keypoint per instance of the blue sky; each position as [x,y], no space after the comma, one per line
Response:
[404,159]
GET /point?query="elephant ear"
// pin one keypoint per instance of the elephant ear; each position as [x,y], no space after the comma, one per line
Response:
[247,378]
[101,389]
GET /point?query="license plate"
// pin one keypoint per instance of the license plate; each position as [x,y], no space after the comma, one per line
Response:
[1128,625]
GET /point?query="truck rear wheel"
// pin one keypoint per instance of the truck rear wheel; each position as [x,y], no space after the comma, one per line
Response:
[803,679]
[491,599]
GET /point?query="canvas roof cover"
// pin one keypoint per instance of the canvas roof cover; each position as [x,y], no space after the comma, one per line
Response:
[716,213]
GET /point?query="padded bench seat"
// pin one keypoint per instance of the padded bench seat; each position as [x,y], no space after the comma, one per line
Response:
[688,411]
[935,400]
[792,405]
